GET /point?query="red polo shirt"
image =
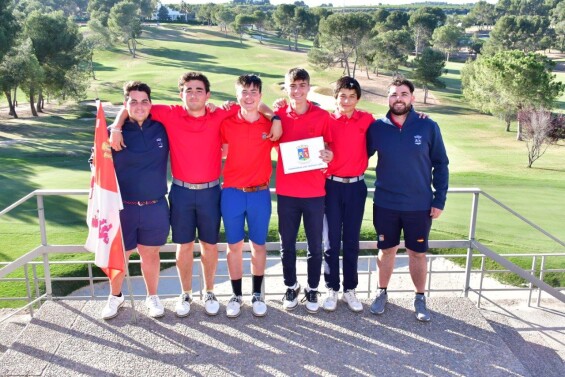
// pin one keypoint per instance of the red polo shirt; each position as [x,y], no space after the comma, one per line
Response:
[196,149]
[349,143]
[313,123]
[249,151]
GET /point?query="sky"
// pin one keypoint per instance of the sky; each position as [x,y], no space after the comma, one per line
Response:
[336,3]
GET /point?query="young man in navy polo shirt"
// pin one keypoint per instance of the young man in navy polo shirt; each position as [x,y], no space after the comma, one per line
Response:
[301,195]
[141,170]
[411,160]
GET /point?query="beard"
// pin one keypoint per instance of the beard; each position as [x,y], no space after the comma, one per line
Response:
[406,109]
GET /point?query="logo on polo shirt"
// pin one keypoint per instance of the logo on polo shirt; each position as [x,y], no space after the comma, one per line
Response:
[159,142]
[264,136]
[417,139]
[381,237]
[303,153]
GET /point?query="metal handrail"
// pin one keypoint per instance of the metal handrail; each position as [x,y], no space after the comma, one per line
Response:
[471,244]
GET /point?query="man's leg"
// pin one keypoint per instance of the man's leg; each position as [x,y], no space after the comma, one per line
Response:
[116,298]
[334,221]
[313,226]
[385,262]
[185,261]
[418,266]
[150,267]
[209,261]
[289,215]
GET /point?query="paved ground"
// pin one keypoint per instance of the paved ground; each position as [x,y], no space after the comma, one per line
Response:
[66,338]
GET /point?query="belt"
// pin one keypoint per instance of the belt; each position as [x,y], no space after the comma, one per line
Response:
[348,179]
[196,186]
[262,187]
[141,203]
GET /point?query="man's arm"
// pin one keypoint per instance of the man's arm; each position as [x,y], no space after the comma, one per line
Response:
[116,138]
[440,170]
[276,126]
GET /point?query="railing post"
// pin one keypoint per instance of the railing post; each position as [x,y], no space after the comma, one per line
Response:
[43,232]
[541,276]
[530,285]
[472,229]
[28,290]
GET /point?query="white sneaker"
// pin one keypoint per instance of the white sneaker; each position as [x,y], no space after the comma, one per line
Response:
[233,308]
[290,298]
[259,306]
[330,301]
[112,306]
[182,307]
[311,298]
[211,304]
[155,307]
[351,300]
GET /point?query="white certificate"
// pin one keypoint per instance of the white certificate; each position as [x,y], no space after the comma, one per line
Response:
[302,155]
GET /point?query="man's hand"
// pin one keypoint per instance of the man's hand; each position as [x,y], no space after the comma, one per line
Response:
[326,155]
[276,130]
[422,115]
[116,139]
[228,104]
[435,213]
[279,104]
[211,107]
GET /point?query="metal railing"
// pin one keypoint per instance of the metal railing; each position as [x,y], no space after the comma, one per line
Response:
[39,287]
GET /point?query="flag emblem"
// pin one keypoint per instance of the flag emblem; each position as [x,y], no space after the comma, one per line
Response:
[303,153]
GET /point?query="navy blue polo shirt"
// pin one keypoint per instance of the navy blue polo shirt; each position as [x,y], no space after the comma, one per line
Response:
[141,168]
[411,160]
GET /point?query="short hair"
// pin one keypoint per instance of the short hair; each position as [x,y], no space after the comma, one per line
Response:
[401,80]
[136,86]
[347,82]
[189,76]
[249,80]
[294,74]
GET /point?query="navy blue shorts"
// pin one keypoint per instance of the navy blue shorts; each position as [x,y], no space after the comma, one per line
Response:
[238,206]
[146,225]
[192,210]
[415,224]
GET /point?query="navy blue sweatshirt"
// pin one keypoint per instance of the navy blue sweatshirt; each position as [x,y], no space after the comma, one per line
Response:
[411,160]
[141,168]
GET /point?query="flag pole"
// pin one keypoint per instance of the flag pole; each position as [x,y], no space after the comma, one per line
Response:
[128,282]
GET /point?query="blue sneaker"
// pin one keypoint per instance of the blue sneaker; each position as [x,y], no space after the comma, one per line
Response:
[422,313]
[378,305]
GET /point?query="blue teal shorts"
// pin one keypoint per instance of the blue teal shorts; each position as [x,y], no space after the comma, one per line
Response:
[238,207]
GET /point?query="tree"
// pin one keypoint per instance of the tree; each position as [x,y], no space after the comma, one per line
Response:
[55,41]
[482,14]
[206,12]
[124,24]
[241,23]
[540,130]
[284,20]
[558,24]
[340,36]
[293,21]
[396,20]
[100,9]
[146,7]
[19,69]
[446,38]
[163,14]
[423,22]
[8,27]
[429,67]
[98,37]
[509,81]
[260,19]
[392,49]
[224,16]
[519,33]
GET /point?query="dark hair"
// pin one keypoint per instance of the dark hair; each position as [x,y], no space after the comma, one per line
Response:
[188,76]
[294,74]
[400,80]
[136,86]
[347,82]
[246,81]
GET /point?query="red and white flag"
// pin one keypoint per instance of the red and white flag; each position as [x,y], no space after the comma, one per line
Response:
[104,204]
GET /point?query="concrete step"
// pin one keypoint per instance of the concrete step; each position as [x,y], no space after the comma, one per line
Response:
[67,338]
[11,328]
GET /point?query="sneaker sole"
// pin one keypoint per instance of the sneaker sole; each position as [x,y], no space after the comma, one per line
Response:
[377,313]
[259,315]
[313,311]
[157,316]
[329,309]
[182,315]
[423,319]
[353,309]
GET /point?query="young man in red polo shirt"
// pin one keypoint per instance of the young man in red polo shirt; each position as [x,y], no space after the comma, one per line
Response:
[346,193]
[194,136]
[301,195]
[245,192]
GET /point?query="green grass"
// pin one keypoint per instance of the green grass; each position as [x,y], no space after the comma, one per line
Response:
[52,151]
